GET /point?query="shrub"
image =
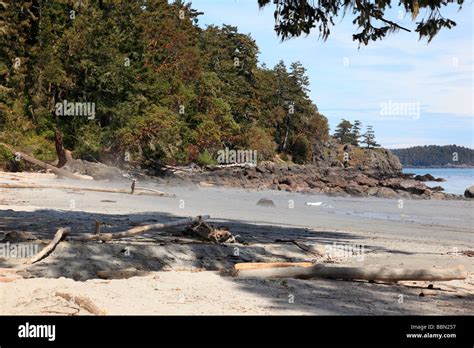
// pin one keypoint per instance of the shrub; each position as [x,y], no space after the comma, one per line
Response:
[205,159]
[301,150]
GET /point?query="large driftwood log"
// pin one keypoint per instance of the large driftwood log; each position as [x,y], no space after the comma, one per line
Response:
[137,230]
[28,158]
[266,265]
[387,274]
[60,234]
[93,189]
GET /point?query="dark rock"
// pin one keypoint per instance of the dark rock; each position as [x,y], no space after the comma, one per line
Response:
[287,181]
[265,202]
[469,193]
[364,180]
[356,190]
[252,174]
[428,177]
[411,186]
[436,189]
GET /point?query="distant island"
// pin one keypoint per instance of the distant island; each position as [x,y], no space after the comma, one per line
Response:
[435,156]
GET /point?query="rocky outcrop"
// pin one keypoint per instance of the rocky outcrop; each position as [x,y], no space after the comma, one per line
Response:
[336,181]
[333,154]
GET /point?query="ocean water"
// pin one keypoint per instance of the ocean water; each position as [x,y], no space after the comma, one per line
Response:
[457,179]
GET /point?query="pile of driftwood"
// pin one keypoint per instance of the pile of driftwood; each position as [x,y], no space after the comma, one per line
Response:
[64,233]
[209,232]
[195,226]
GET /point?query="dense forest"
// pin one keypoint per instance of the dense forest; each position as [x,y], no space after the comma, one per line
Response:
[433,155]
[140,81]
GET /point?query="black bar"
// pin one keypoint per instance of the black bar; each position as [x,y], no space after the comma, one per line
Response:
[243,330]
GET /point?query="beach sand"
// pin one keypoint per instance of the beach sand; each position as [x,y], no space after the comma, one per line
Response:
[183,274]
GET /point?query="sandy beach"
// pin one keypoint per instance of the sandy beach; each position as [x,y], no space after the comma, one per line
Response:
[183,275]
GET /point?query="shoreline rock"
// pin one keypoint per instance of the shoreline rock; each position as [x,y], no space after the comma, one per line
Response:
[321,180]
[469,193]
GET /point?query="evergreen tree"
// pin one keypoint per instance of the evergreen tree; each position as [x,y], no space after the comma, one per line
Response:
[355,134]
[369,138]
[294,18]
[343,132]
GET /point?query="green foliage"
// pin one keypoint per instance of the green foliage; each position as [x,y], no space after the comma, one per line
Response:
[355,133]
[170,98]
[259,139]
[301,150]
[344,132]
[205,159]
[7,160]
[295,18]
[152,138]
[89,142]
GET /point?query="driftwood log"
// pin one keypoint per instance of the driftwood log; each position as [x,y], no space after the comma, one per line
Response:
[55,170]
[121,274]
[104,237]
[82,302]
[387,274]
[60,234]
[266,265]
[93,189]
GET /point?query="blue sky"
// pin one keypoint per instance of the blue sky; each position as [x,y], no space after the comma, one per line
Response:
[352,83]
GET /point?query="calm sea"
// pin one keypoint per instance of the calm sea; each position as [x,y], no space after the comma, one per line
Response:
[457,179]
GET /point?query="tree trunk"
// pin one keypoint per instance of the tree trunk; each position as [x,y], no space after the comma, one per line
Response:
[58,141]
[55,170]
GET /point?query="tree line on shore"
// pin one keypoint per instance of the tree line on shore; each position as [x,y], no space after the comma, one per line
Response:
[143,83]
[434,155]
[163,90]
